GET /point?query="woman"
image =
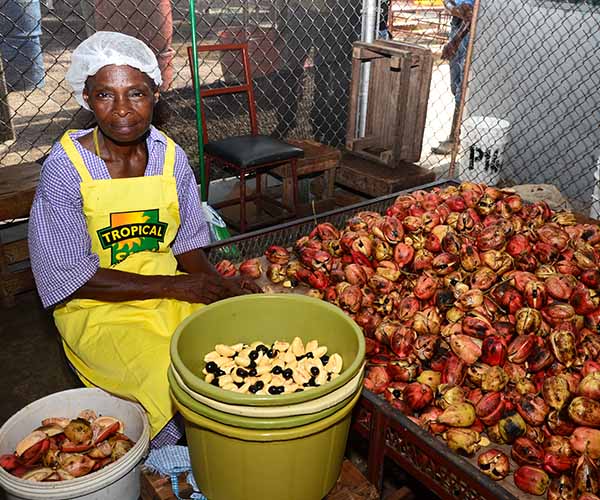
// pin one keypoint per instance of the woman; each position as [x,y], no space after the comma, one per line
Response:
[116,230]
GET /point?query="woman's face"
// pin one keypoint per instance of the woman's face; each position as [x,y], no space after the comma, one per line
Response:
[122,99]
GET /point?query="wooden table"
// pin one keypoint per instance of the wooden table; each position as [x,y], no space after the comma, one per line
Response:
[17,189]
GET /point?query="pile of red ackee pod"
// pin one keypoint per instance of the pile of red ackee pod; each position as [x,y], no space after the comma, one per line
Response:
[65,449]
[481,313]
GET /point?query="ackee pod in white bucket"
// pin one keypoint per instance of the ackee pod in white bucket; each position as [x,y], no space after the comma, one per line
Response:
[118,480]
[482,143]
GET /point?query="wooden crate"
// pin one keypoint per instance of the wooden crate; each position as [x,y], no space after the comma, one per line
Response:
[17,189]
[373,178]
[399,82]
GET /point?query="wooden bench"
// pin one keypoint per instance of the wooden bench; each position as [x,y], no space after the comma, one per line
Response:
[17,189]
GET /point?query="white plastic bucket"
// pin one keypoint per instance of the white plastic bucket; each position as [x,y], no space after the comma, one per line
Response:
[119,480]
[483,139]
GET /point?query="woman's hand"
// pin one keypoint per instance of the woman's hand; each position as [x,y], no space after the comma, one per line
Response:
[207,288]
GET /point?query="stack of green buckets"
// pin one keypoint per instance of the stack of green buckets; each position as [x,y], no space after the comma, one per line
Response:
[263,447]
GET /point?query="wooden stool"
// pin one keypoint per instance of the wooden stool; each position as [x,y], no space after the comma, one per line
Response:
[318,159]
[17,189]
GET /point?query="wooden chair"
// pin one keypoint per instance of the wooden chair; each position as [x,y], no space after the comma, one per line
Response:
[245,154]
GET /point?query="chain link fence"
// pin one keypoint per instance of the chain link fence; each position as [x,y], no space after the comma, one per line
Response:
[533,97]
[300,52]
[533,69]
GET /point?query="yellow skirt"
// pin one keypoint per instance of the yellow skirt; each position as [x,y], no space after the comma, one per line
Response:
[123,348]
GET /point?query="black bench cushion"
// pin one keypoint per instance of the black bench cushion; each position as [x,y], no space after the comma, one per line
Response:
[252,150]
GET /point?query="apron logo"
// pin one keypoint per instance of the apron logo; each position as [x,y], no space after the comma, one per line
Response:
[132,232]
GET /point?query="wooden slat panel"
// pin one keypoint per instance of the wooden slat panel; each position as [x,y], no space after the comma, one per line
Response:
[17,189]
[17,282]
[16,251]
[397,102]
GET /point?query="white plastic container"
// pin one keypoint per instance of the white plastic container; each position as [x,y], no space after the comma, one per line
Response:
[119,480]
[482,139]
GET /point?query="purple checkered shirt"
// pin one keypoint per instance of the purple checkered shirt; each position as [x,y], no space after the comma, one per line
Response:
[59,243]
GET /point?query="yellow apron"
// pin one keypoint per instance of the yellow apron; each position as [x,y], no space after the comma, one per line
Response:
[123,347]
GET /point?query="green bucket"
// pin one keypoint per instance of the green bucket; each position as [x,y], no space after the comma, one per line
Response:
[301,463]
[266,318]
[179,395]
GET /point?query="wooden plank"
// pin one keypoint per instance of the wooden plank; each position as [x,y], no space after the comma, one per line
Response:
[17,282]
[353,104]
[17,189]
[402,102]
[422,102]
[365,142]
[15,251]
[407,144]
[365,54]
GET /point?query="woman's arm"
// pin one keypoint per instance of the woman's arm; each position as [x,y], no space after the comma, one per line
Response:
[111,285]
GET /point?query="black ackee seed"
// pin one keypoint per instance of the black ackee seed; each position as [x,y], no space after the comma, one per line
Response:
[397,393]
[299,389]
[287,373]
[312,382]
[300,358]
[276,370]
[252,372]
[309,355]
[253,389]
[240,372]
[280,389]
[219,373]
[253,355]
[259,384]
[211,367]
[274,390]
[239,384]
[215,381]
[324,359]
[314,370]
[263,348]
[252,365]
[272,353]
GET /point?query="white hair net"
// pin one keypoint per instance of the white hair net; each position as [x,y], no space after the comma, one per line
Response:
[103,49]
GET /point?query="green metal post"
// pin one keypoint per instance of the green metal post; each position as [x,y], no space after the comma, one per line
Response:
[199,125]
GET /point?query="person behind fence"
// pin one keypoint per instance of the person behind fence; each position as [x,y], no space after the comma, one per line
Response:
[116,232]
[383,33]
[455,52]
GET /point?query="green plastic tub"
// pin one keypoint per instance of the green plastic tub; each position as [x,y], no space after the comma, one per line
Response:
[179,395]
[266,318]
[301,463]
